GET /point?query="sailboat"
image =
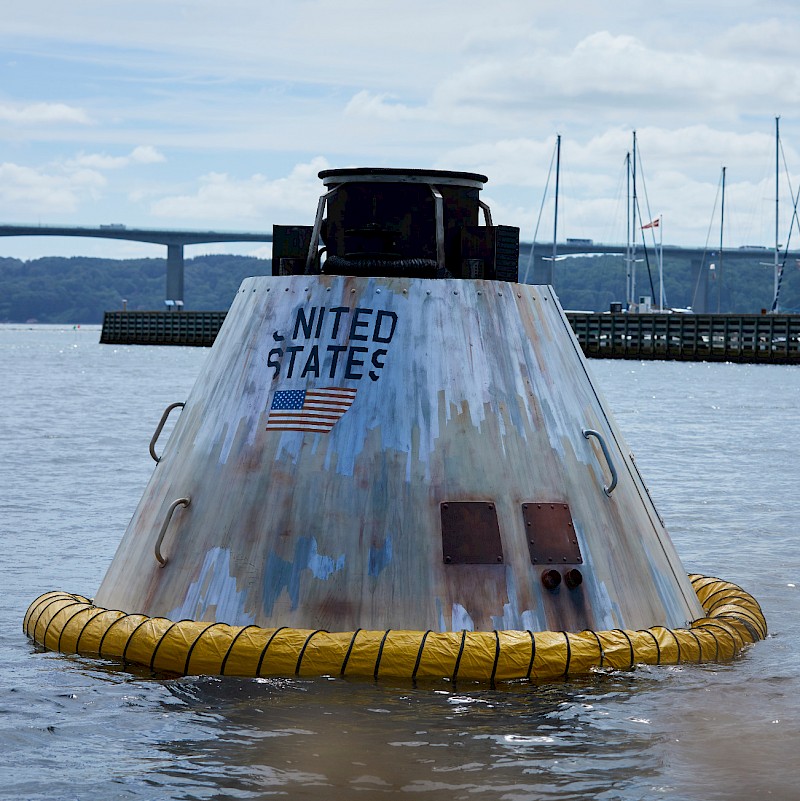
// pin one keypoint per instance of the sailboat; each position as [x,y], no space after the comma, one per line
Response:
[644,302]
[780,263]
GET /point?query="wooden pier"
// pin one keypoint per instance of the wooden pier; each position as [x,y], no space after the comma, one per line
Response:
[751,338]
[193,328]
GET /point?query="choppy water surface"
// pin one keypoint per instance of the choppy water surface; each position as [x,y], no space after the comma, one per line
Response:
[718,445]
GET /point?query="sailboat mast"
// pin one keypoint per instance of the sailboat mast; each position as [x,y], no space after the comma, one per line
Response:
[777,206]
[660,262]
[721,229]
[633,226]
[555,215]
[628,257]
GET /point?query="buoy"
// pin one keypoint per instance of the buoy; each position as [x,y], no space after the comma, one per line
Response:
[395,463]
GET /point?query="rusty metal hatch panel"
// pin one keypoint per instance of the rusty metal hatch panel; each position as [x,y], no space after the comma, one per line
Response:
[470,533]
[551,534]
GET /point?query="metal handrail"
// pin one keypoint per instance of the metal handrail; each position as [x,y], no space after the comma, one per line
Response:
[162,560]
[590,432]
[160,428]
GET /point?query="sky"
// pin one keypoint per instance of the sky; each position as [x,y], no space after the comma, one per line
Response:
[212,114]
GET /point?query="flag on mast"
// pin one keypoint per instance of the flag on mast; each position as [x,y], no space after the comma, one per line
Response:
[652,224]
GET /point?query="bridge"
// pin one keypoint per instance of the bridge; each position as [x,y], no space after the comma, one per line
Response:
[541,261]
[174,239]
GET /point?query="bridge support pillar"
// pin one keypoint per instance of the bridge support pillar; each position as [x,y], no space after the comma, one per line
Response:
[174,276]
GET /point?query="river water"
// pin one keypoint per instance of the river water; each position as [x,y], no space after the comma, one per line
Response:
[717,443]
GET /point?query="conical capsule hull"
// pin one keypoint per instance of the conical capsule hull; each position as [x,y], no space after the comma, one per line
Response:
[394,453]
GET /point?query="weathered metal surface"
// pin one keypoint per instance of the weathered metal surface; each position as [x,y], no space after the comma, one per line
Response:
[454,390]
[470,534]
[551,535]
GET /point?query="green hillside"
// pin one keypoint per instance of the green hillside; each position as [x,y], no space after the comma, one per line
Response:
[79,290]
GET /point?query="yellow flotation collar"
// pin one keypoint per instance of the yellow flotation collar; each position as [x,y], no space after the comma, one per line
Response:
[70,623]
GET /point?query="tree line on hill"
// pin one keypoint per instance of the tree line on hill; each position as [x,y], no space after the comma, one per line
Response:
[80,289]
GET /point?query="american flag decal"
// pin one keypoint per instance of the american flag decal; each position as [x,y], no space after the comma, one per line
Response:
[308,409]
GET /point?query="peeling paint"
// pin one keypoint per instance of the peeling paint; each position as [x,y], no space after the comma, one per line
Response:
[280,575]
[461,619]
[379,558]
[213,596]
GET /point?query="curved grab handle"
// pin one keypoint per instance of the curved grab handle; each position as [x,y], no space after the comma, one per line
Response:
[160,428]
[590,432]
[162,560]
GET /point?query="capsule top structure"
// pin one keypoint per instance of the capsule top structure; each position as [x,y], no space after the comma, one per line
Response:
[391,433]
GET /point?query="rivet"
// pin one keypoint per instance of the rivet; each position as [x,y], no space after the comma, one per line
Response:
[428,292]
[328,289]
[352,292]
[455,291]
[377,292]
[448,559]
[499,558]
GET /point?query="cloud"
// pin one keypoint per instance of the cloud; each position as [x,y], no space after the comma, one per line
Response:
[225,200]
[101,161]
[38,191]
[43,114]
[384,107]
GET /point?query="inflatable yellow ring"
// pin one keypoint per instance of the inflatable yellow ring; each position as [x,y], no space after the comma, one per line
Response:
[72,624]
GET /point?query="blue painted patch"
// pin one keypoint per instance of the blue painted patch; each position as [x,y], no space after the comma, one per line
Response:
[280,575]
[379,558]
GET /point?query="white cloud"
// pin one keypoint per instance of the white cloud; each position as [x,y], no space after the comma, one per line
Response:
[384,107]
[223,200]
[39,191]
[144,154]
[43,114]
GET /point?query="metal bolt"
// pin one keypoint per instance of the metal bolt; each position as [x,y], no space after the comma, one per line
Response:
[551,579]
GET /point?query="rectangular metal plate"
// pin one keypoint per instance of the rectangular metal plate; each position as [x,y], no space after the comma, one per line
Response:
[551,533]
[470,533]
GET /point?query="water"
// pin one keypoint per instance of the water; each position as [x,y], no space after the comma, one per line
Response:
[718,445]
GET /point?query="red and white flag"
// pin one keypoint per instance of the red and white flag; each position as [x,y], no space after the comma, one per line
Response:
[652,224]
[309,410]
